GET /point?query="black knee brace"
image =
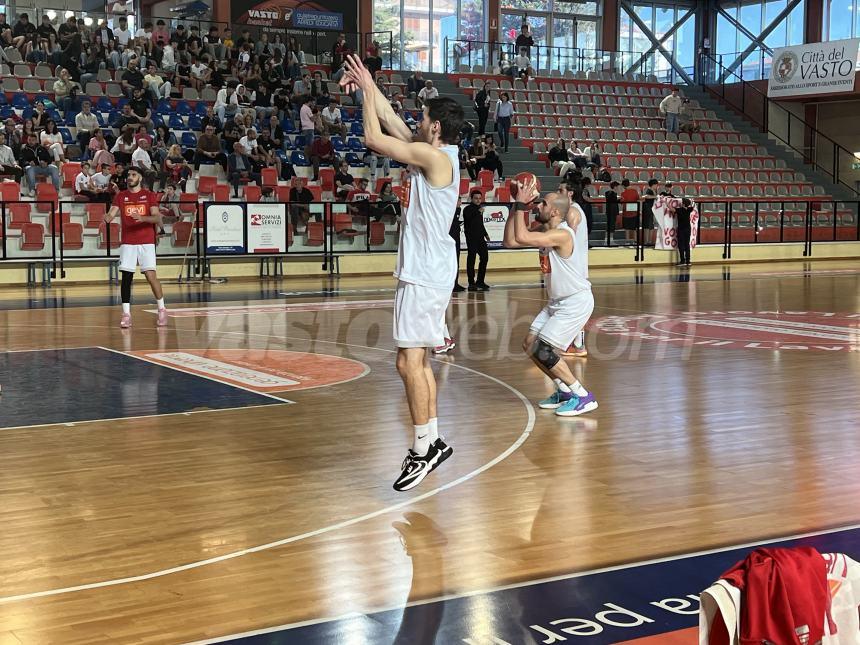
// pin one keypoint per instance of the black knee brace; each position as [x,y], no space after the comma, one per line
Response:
[545,354]
[125,286]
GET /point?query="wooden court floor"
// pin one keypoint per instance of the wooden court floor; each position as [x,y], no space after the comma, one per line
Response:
[233,472]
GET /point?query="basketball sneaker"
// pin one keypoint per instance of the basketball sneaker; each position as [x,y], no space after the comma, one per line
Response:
[162,317]
[415,468]
[445,451]
[447,347]
[557,399]
[577,405]
[125,321]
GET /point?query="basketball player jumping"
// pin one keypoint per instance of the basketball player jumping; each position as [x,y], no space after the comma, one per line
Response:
[139,216]
[563,246]
[426,254]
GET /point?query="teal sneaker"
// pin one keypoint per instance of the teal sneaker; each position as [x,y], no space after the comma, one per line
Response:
[558,398]
[577,405]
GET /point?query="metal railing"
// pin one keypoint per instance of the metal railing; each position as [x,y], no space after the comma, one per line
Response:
[814,147]
[543,58]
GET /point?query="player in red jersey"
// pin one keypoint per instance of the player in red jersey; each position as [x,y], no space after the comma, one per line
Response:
[139,216]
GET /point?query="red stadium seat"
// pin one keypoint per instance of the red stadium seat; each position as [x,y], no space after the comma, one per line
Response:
[270,176]
[206,185]
[71,169]
[182,234]
[315,234]
[114,235]
[32,237]
[221,193]
[377,234]
[19,215]
[10,191]
[73,236]
[253,193]
[95,214]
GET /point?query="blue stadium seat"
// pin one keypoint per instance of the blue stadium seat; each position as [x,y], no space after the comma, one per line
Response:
[7,111]
[298,159]
[176,123]
[338,144]
[288,127]
[157,120]
[195,122]
[353,160]
[3,98]
[69,119]
[356,145]
[163,106]
[184,108]
[28,110]
[121,103]
[300,141]
[189,140]
[200,109]
[104,105]
[68,139]
[357,128]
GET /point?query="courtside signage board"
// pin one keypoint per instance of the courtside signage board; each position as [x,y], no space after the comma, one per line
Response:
[267,228]
[225,229]
[816,68]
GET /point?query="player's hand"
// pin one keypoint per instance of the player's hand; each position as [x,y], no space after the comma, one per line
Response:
[527,191]
[357,74]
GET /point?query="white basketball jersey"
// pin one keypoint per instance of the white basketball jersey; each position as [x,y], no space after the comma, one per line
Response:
[570,275]
[427,254]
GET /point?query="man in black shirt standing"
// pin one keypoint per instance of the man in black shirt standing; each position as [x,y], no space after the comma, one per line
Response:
[525,40]
[476,241]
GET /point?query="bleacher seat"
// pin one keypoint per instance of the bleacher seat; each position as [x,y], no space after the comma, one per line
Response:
[32,237]
[73,236]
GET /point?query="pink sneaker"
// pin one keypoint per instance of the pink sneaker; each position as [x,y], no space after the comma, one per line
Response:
[125,321]
[162,317]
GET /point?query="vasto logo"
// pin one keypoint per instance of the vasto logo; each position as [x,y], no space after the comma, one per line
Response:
[785,66]
[261,14]
[772,330]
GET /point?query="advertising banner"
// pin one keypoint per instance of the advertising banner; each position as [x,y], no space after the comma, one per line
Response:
[225,229]
[817,68]
[495,216]
[267,228]
[318,15]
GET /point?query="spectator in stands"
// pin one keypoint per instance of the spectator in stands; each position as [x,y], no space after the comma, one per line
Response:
[267,151]
[241,170]
[557,155]
[491,160]
[339,53]
[23,35]
[168,57]
[86,124]
[276,132]
[8,164]
[226,102]
[124,145]
[176,168]
[194,44]
[667,188]
[482,107]
[524,39]
[164,139]
[317,85]
[612,202]
[53,141]
[101,184]
[93,61]
[577,156]
[13,135]
[592,157]
[374,160]
[40,116]
[321,151]
[36,161]
[306,118]
[140,107]
[360,198]
[505,66]
[209,149]
[373,57]
[105,33]
[99,150]
[213,44]
[119,177]
[670,108]
[429,92]
[142,133]
[125,50]
[199,73]
[504,115]
[523,66]
[380,85]
[141,160]
[332,120]
[415,83]
[83,182]
[5,31]
[630,214]
[47,38]
[263,102]
[66,31]
[388,203]
[476,241]
[605,175]
[648,199]
[160,35]
[344,182]
[158,87]
[132,79]
[143,40]
[684,231]
[66,92]
[688,123]
[300,214]
[468,158]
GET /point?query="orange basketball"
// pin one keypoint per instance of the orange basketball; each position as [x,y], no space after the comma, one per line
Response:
[521,178]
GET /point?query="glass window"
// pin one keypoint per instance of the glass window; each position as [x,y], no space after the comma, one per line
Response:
[527,5]
[444,26]
[472,20]
[386,17]
[685,43]
[840,19]
[416,34]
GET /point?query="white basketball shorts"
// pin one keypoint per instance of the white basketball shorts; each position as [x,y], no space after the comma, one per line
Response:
[132,255]
[419,315]
[559,323]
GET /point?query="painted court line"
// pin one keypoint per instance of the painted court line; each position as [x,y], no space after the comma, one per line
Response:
[208,378]
[520,585]
[524,435]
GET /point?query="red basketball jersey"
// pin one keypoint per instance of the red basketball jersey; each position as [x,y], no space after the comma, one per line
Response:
[140,204]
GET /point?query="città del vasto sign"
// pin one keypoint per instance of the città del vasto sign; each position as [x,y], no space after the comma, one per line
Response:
[816,68]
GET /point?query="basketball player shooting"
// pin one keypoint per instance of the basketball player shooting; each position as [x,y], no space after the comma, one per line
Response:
[426,256]
[139,217]
[563,245]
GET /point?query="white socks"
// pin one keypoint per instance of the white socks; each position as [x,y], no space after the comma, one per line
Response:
[126,308]
[561,385]
[434,429]
[575,387]
[160,302]
[421,442]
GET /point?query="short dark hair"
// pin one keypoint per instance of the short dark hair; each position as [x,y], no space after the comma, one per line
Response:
[625,182]
[653,182]
[449,114]
[476,191]
[613,184]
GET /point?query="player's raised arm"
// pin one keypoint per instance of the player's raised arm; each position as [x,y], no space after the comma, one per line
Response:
[393,124]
